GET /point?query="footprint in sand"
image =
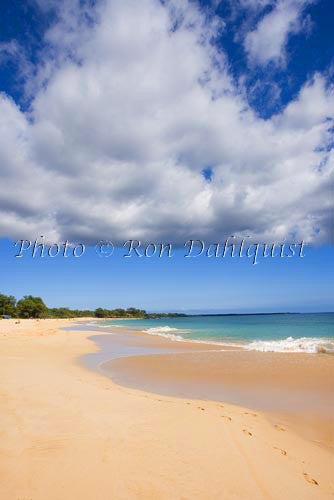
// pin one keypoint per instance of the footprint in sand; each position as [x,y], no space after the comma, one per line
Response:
[247,432]
[252,414]
[310,479]
[280,449]
[201,408]
[279,427]
[228,418]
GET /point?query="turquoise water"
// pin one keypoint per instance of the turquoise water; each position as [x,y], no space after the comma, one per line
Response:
[270,332]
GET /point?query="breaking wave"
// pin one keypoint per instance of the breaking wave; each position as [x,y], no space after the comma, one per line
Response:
[167,332]
[177,334]
[291,344]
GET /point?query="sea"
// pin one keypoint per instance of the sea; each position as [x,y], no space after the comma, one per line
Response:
[288,332]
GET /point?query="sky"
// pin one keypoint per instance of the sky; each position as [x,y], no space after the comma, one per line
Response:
[177,284]
[163,121]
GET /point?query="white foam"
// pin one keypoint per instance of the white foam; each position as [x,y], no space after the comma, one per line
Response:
[167,332]
[174,334]
[109,326]
[165,329]
[290,344]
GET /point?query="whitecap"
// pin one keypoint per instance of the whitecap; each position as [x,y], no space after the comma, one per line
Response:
[291,344]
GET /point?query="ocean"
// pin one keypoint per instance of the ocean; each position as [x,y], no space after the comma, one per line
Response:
[309,332]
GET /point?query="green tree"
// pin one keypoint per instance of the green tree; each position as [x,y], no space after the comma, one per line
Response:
[31,307]
[60,312]
[7,304]
[100,313]
[118,313]
[133,311]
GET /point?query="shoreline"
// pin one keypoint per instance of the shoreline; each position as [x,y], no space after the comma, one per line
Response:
[303,345]
[294,388]
[68,432]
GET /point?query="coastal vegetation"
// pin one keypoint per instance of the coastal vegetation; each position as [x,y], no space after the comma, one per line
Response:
[34,307]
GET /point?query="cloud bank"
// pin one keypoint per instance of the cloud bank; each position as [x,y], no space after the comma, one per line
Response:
[131,101]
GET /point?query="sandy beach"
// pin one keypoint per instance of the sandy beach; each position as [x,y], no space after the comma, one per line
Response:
[294,388]
[68,432]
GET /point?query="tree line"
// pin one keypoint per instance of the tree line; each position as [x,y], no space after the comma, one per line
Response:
[34,307]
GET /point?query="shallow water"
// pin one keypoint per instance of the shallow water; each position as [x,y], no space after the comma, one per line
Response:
[312,332]
[114,346]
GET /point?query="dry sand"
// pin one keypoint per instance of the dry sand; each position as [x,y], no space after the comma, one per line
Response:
[71,434]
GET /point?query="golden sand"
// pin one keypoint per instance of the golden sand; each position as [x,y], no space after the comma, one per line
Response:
[71,434]
[294,388]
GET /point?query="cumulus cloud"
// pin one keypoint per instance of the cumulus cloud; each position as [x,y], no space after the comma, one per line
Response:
[128,109]
[267,42]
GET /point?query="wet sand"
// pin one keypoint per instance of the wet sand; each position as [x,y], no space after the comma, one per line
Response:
[294,388]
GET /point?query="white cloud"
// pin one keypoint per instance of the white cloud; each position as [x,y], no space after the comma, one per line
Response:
[267,42]
[117,136]
[255,4]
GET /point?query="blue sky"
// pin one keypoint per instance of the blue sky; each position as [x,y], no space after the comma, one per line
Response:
[176,284]
[164,121]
